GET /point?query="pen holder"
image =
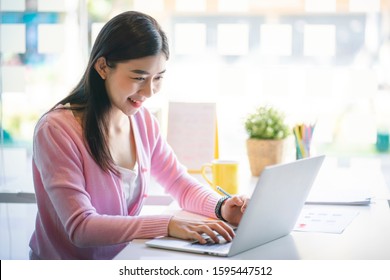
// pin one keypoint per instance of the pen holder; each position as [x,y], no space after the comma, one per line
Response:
[303,134]
[299,155]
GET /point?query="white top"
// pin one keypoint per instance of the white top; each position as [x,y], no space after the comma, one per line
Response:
[130,183]
[130,179]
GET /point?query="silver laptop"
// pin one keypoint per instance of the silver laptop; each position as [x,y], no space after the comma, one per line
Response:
[273,210]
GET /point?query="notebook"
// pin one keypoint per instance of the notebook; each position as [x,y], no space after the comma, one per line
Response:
[272,212]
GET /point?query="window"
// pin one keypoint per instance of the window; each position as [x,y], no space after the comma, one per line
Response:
[239,52]
[276,39]
[190,38]
[232,39]
[42,57]
[319,40]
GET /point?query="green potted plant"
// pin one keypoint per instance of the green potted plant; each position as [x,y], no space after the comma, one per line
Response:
[267,129]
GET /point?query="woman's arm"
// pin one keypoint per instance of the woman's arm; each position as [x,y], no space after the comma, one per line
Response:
[173,176]
[78,198]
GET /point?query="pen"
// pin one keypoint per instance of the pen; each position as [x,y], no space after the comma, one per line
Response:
[223,191]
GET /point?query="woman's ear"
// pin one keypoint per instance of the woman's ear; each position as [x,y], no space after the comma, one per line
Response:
[101,67]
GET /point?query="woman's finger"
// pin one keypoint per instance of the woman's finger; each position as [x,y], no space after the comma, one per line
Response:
[224,230]
[245,205]
[208,230]
[212,229]
[196,230]
[228,229]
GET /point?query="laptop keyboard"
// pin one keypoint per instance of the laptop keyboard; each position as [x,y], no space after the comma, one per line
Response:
[210,243]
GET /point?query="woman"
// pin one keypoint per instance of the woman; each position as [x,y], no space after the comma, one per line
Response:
[96,149]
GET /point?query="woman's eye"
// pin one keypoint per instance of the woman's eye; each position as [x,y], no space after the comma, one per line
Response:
[142,79]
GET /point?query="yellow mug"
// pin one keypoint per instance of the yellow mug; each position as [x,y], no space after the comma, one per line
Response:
[224,174]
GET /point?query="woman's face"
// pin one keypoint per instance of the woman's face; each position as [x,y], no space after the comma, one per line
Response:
[131,83]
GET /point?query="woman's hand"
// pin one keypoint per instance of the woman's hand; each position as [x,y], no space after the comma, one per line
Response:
[233,208]
[193,230]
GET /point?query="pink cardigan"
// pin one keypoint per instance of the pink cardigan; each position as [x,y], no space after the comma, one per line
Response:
[82,211]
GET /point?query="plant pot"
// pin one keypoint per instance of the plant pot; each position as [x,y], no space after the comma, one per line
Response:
[262,153]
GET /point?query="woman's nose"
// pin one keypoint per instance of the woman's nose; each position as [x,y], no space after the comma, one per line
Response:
[148,90]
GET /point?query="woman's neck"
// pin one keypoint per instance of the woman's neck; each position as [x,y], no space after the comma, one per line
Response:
[117,121]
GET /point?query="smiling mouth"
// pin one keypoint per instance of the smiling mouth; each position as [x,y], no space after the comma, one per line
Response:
[136,103]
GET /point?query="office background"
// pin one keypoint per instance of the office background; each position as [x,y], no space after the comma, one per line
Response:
[319,61]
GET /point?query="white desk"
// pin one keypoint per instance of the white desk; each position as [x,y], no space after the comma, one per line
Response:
[367,237]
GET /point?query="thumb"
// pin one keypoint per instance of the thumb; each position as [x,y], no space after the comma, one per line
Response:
[237,201]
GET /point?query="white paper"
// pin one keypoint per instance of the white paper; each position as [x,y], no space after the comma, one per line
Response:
[325,220]
[339,197]
[191,132]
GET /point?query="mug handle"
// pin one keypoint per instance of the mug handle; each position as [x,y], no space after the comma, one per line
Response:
[203,170]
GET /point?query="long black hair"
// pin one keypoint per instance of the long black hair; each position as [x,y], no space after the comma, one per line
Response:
[129,35]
